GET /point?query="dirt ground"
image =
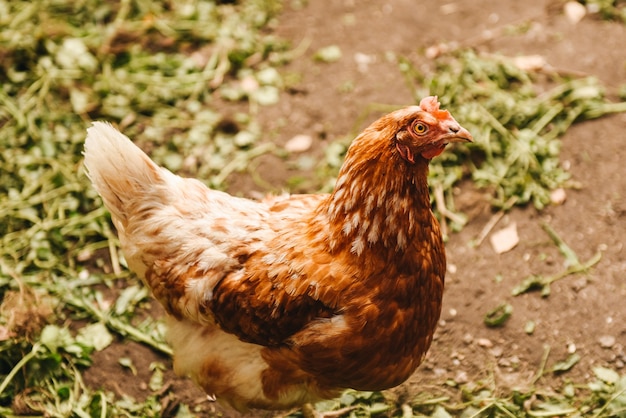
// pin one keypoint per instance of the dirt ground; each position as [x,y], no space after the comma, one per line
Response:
[585,313]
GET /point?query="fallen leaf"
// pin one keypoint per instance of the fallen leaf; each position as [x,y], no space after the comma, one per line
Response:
[329,53]
[606,375]
[574,11]
[505,239]
[299,143]
[5,334]
[484,342]
[565,365]
[95,335]
[558,196]
[530,62]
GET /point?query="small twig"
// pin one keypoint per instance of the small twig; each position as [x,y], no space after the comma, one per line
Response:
[488,227]
[103,403]
[494,221]
[432,401]
[503,409]
[578,268]
[568,253]
[495,123]
[542,365]
[28,357]
[440,202]
[547,117]
[606,405]
[115,261]
[339,412]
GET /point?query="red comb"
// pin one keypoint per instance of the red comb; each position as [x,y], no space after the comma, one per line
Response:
[430,104]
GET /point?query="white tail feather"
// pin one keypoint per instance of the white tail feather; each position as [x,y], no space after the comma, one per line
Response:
[119,170]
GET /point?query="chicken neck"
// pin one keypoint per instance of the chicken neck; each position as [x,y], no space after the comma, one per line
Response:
[379,202]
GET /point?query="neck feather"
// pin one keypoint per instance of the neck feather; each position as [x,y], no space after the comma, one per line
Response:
[379,201]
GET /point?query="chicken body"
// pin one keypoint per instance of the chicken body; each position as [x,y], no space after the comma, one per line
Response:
[289,300]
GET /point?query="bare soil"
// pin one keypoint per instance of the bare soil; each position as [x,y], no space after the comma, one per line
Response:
[582,310]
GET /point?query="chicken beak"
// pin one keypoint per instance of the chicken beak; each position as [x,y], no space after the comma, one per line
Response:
[458,134]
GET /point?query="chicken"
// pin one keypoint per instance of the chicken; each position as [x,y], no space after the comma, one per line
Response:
[272,304]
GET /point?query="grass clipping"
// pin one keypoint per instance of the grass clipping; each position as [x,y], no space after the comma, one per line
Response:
[517,118]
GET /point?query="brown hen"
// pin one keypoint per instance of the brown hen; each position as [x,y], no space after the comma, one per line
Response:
[289,300]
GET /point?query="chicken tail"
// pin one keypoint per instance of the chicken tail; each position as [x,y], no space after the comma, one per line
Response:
[119,170]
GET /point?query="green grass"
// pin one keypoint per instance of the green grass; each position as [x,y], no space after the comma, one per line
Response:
[187,79]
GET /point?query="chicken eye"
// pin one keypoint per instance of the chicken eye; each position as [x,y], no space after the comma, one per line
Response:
[420,128]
